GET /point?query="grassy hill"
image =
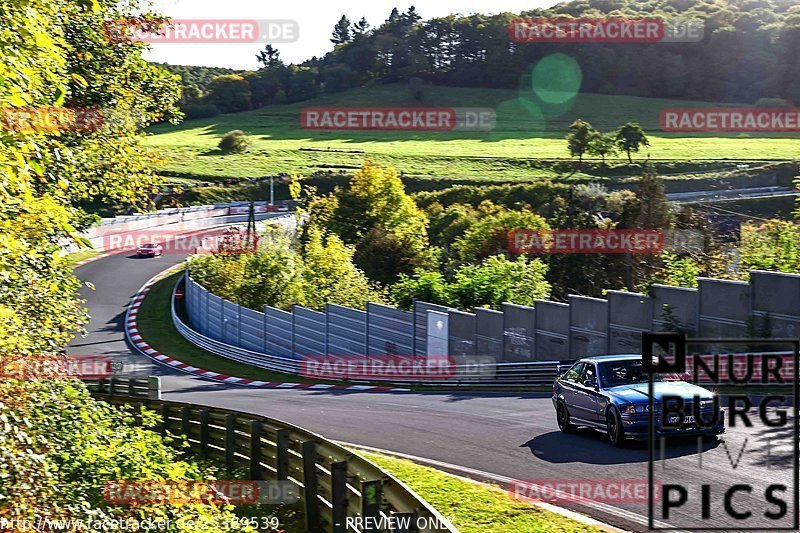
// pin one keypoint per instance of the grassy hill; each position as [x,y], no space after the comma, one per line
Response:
[523,133]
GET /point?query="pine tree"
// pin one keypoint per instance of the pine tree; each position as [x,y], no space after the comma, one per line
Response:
[269,57]
[341,32]
[361,27]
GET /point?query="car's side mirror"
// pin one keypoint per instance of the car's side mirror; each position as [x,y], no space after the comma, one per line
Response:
[590,383]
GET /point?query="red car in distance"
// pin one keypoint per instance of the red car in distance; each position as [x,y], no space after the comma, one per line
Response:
[149,249]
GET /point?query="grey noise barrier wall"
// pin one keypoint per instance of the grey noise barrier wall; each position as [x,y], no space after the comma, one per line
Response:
[766,306]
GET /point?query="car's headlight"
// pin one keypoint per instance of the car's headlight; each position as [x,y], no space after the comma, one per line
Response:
[638,408]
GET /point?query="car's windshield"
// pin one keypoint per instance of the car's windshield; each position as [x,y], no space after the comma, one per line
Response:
[614,374]
[148,245]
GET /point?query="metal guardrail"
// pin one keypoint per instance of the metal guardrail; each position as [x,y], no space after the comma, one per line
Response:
[148,387]
[506,375]
[335,483]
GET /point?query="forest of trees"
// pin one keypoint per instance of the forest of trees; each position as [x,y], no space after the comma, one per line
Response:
[750,50]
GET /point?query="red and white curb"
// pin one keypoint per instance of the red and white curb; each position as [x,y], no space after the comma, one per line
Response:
[132,333]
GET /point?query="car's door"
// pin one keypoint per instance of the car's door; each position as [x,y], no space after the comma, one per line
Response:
[585,396]
[569,383]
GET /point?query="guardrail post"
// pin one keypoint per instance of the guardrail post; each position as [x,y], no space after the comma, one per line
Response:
[101,385]
[255,450]
[309,449]
[204,433]
[154,388]
[230,441]
[371,499]
[165,410]
[111,383]
[339,497]
[282,442]
[185,413]
[131,386]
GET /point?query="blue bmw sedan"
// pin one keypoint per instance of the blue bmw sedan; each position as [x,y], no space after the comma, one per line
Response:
[610,393]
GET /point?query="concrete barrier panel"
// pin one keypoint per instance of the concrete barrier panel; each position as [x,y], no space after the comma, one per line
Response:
[347,331]
[278,336]
[252,330]
[725,307]
[776,303]
[684,304]
[390,330]
[438,334]
[588,326]
[213,322]
[421,325]
[489,333]
[552,331]
[230,323]
[310,330]
[629,314]
[461,333]
[519,333]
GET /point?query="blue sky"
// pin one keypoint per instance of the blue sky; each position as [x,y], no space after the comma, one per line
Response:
[315,18]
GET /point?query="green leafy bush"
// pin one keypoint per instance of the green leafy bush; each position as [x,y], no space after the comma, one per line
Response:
[488,284]
[59,448]
[280,274]
[235,141]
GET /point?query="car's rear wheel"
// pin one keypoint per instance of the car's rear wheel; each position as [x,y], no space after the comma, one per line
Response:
[616,434]
[562,415]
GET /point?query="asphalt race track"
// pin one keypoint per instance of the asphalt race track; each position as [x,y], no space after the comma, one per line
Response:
[499,436]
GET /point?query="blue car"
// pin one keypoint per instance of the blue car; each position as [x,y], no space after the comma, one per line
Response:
[610,393]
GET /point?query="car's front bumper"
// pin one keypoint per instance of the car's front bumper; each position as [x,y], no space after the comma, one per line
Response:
[638,427]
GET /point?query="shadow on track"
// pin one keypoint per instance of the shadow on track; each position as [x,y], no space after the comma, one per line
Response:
[592,447]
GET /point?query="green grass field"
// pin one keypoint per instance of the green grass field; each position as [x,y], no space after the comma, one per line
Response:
[472,507]
[280,145]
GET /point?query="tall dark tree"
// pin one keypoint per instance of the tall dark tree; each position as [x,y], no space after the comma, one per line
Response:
[394,16]
[269,57]
[341,32]
[579,139]
[655,211]
[630,137]
[411,17]
[361,27]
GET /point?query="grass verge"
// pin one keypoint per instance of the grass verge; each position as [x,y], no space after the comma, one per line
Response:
[80,255]
[474,507]
[155,326]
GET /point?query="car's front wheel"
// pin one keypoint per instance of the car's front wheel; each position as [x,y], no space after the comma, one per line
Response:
[562,415]
[616,434]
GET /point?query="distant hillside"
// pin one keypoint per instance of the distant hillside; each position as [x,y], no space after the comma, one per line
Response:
[197,77]
[510,152]
[748,52]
